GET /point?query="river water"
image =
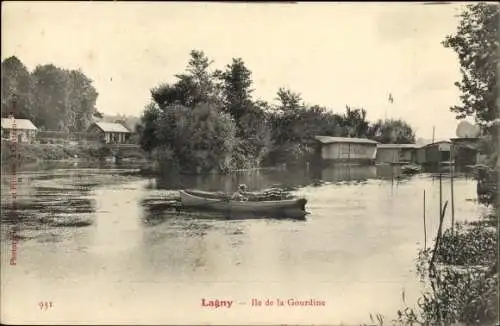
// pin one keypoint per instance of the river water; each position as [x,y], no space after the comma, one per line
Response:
[90,242]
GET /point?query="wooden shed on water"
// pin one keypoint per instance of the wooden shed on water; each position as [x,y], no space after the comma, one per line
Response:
[434,153]
[347,150]
[465,150]
[397,153]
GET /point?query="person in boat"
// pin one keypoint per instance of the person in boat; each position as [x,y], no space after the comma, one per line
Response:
[240,194]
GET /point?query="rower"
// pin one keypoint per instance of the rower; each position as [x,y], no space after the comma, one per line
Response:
[240,194]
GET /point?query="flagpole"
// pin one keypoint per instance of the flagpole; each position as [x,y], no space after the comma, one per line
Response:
[391,101]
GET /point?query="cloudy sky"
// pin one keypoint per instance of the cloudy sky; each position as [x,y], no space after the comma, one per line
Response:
[333,54]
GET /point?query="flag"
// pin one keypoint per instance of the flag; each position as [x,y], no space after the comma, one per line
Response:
[391,100]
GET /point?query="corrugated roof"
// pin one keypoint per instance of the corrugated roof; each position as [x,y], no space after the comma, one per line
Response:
[398,146]
[425,142]
[19,124]
[330,140]
[112,127]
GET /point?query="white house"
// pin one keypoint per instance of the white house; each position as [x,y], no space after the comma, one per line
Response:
[20,130]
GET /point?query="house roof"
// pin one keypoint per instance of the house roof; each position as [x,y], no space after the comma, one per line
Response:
[331,140]
[18,124]
[398,146]
[112,127]
[438,142]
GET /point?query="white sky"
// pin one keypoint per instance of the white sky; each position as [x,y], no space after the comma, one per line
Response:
[333,54]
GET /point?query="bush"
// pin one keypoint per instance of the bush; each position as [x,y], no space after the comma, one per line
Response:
[202,138]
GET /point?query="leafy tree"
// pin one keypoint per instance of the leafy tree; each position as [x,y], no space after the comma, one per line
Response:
[235,85]
[285,116]
[354,123]
[202,139]
[476,44]
[194,86]
[253,130]
[295,125]
[186,122]
[391,132]
[469,294]
[289,101]
[147,127]
[82,97]
[16,89]
[51,98]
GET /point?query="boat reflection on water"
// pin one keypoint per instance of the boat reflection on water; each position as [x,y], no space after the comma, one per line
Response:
[291,180]
[345,172]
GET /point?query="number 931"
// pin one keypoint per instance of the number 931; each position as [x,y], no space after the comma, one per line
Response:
[45,305]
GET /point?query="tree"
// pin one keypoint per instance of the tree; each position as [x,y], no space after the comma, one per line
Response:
[235,85]
[51,98]
[147,127]
[354,123]
[62,99]
[289,101]
[187,122]
[202,138]
[82,97]
[391,132]
[16,89]
[253,130]
[193,87]
[476,44]
[199,79]
[286,116]
[295,125]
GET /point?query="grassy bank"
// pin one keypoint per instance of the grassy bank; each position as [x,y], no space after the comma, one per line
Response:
[30,153]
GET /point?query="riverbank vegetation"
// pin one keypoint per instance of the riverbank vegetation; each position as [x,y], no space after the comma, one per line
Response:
[209,121]
[461,270]
[21,153]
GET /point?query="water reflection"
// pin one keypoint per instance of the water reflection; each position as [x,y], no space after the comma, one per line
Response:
[293,177]
[140,256]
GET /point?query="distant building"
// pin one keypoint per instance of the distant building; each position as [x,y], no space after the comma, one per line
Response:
[343,149]
[434,153]
[465,150]
[396,153]
[23,130]
[421,155]
[110,133]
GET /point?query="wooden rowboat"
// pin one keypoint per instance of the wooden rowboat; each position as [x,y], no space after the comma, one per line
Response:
[219,202]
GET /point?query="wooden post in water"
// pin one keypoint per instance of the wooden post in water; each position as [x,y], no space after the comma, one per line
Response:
[425,228]
[392,178]
[440,193]
[452,167]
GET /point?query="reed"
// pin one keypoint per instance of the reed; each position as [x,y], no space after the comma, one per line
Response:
[440,194]
[425,227]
